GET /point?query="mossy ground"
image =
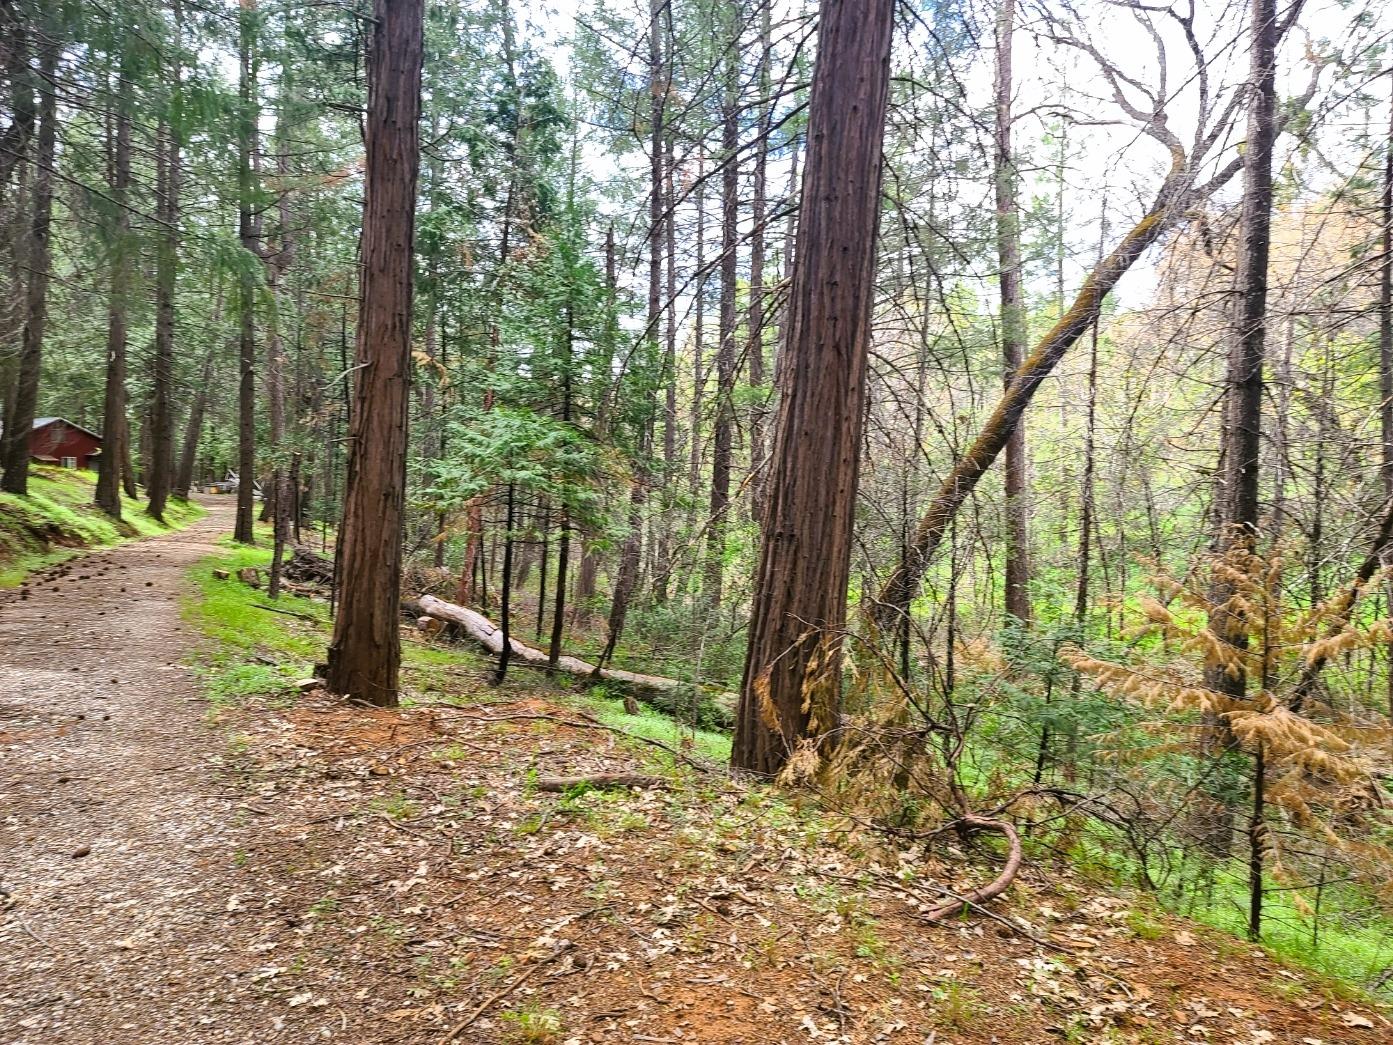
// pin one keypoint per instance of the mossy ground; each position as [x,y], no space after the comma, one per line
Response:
[57,519]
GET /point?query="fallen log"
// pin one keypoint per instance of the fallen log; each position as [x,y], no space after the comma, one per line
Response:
[672,696]
[602,781]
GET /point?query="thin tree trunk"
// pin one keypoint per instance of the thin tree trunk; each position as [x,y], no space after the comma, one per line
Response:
[792,680]
[188,453]
[506,596]
[39,255]
[722,435]
[1385,343]
[365,655]
[663,572]
[698,331]
[282,493]
[545,519]
[167,265]
[1242,435]
[108,491]
[1013,322]
[249,235]
[758,212]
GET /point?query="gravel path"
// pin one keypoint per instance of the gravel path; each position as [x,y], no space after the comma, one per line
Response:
[115,833]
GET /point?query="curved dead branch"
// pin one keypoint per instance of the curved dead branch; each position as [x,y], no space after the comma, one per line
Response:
[998,885]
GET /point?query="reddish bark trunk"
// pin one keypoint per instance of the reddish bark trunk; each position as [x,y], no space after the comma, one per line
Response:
[792,681]
[26,394]
[108,492]
[365,656]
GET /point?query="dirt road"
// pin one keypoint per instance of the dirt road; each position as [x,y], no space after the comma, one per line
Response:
[114,834]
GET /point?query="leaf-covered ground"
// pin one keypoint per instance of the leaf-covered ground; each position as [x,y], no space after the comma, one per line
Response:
[282,867]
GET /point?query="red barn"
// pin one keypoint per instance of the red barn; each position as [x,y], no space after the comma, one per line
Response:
[55,440]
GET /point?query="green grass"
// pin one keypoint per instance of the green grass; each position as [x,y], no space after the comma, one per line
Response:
[652,724]
[1355,942]
[1352,949]
[247,634]
[57,520]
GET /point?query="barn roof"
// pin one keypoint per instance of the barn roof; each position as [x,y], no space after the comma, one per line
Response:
[41,422]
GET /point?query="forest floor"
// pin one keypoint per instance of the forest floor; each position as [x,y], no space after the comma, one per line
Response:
[284,868]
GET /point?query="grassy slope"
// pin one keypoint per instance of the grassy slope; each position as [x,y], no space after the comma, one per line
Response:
[57,520]
[260,652]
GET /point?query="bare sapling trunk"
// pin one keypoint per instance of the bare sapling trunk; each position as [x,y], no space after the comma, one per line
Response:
[1013,323]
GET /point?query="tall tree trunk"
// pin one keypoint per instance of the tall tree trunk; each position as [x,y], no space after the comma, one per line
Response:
[758,215]
[1241,439]
[161,403]
[1242,434]
[39,255]
[249,235]
[282,493]
[1013,322]
[14,152]
[663,573]
[792,681]
[786,263]
[365,655]
[193,428]
[698,330]
[1385,344]
[108,492]
[631,553]
[722,435]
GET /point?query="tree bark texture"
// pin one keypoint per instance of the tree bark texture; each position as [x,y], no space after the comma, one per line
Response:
[1013,322]
[365,655]
[248,235]
[1241,446]
[108,492]
[792,678]
[40,260]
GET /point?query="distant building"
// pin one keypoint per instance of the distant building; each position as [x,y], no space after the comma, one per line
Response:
[56,440]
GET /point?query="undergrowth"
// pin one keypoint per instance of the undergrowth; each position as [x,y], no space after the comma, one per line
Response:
[258,651]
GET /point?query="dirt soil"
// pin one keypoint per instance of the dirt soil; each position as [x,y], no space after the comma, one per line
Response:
[297,870]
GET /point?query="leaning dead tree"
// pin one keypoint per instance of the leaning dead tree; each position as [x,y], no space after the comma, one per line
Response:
[1197,170]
